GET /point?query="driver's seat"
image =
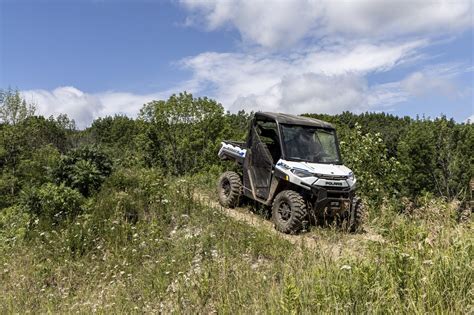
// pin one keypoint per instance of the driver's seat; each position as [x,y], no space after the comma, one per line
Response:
[274,146]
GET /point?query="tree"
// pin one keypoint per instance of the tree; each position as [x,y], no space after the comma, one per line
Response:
[64,122]
[115,131]
[13,108]
[377,174]
[84,169]
[184,133]
[28,150]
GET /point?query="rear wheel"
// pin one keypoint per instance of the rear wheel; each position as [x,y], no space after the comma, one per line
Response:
[229,188]
[289,213]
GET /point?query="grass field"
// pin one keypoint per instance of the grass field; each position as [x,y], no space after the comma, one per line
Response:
[170,252]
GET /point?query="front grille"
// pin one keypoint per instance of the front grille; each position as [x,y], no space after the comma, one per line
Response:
[337,195]
[332,177]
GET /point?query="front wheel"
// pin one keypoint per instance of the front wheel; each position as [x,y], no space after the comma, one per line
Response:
[289,213]
[229,188]
[356,215]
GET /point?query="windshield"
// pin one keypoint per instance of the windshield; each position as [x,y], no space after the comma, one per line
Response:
[310,144]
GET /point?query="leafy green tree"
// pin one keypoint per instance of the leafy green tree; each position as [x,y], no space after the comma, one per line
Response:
[377,173]
[237,125]
[13,108]
[27,151]
[184,133]
[417,155]
[84,169]
[64,122]
[38,168]
[437,156]
[117,130]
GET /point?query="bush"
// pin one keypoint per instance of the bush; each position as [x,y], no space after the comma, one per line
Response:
[51,204]
[84,169]
[132,192]
[13,225]
[376,173]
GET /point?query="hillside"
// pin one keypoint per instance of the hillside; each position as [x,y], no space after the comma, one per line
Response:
[122,217]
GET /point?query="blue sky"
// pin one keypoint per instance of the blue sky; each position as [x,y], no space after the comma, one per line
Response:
[94,58]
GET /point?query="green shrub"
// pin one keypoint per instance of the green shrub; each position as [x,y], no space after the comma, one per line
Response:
[13,225]
[52,204]
[134,192]
[85,169]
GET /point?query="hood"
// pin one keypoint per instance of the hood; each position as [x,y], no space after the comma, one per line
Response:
[321,168]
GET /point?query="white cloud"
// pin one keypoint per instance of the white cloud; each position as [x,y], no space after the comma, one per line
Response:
[283,23]
[78,105]
[470,119]
[438,79]
[84,107]
[310,92]
[330,47]
[326,80]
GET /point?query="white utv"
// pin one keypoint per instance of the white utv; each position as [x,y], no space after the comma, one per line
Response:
[292,164]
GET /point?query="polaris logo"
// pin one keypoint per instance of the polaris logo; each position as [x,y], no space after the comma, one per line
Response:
[333,183]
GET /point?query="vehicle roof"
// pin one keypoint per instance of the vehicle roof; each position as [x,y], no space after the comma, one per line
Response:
[295,120]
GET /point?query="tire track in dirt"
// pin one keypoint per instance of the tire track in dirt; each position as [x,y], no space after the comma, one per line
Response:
[341,245]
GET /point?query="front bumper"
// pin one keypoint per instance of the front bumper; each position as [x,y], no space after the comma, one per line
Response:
[329,200]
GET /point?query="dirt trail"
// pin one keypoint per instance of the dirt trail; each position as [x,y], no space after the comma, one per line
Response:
[334,245]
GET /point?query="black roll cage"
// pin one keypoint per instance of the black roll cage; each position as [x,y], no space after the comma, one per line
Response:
[264,117]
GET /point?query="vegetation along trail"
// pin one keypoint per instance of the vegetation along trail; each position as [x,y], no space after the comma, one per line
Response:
[122,217]
[332,243]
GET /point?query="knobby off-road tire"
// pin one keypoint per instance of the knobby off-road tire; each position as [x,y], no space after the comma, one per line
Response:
[289,212]
[229,189]
[356,215]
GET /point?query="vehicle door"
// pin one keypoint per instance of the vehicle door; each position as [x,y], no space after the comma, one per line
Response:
[258,164]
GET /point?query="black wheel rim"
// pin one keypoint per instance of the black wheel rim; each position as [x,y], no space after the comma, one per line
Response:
[226,187]
[284,211]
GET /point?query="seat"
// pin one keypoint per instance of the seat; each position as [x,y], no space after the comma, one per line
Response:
[274,145]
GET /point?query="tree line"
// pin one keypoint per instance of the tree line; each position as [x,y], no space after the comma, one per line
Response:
[394,158]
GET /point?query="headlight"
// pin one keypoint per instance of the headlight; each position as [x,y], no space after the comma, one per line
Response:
[351,176]
[301,173]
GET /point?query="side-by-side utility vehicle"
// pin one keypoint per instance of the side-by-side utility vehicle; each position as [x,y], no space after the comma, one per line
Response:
[292,164]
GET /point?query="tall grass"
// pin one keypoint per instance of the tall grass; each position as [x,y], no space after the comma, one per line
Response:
[144,244]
